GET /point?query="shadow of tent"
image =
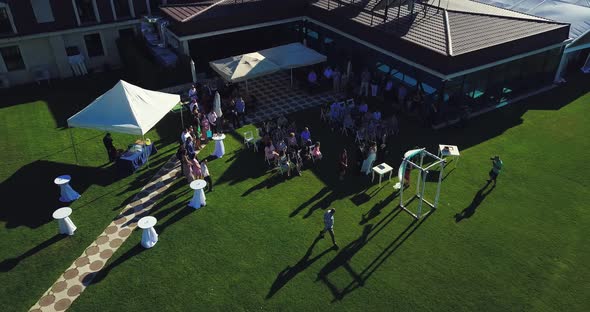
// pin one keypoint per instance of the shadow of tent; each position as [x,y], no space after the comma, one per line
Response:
[39,196]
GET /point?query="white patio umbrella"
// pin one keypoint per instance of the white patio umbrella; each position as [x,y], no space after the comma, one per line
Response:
[217,104]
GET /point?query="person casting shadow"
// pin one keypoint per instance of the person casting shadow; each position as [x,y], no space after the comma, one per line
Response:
[479,197]
[291,271]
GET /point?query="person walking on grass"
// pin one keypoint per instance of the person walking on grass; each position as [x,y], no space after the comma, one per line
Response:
[496,168]
[329,225]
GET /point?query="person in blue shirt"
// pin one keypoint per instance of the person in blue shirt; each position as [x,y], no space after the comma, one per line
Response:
[496,168]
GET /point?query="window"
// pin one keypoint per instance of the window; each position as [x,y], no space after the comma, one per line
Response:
[93,45]
[86,11]
[12,58]
[42,10]
[5,24]
[122,8]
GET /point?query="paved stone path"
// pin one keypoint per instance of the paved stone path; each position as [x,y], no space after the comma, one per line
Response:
[74,280]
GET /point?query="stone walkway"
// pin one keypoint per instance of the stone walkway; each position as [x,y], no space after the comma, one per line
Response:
[74,280]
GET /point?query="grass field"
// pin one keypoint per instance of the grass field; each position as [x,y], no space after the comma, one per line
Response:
[521,247]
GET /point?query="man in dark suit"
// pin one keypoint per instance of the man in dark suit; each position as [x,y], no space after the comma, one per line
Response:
[111,150]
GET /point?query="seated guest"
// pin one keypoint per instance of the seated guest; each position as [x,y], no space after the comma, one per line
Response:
[305,135]
[111,150]
[363,108]
[348,122]
[192,93]
[315,152]
[284,163]
[292,140]
[269,151]
[282,146]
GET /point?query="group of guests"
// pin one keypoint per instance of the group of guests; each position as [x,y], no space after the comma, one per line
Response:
[191,167]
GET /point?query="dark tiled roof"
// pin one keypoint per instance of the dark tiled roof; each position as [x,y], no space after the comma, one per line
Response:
[183,13]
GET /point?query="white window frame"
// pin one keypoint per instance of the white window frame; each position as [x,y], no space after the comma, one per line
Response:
[94,6]
[10,18]
[50,11]
[104,49]
[131,9]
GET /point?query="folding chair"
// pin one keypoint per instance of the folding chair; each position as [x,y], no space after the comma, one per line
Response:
[249,137]
[349,103]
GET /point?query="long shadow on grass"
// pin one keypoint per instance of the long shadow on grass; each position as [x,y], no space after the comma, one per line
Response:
[244,165]
[11,263]
[479,197]
[291,271]
[359,278]
[97,277]
[35,195]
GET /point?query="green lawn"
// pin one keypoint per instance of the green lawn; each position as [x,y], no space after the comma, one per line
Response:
[255,246]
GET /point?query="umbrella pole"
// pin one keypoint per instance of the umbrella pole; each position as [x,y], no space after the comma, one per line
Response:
[247,86]
[73,145]
[291,77]
[181,118]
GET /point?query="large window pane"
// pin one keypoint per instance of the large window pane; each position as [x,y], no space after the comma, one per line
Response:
[43,11]
[12,58]
[122,8]
[5,26]
[93,45]
[86,11]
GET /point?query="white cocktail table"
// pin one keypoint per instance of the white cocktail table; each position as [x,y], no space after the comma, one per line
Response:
[381,170]
[219,146]
[198,199]
[62,215]
[149,237]
[67,193]
[445,150]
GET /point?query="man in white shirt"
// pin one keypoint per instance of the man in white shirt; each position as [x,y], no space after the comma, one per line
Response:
[212,117]
[329,224]
[185,134]
[192,93]
[206,175]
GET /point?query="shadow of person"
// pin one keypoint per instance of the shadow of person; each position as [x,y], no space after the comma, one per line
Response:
[479,197]
[291,271]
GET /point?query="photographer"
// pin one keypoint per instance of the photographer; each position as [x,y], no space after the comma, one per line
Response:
[496,168]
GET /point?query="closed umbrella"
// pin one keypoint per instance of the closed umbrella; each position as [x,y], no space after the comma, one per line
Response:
[349,69]
[193,71]
[217,104]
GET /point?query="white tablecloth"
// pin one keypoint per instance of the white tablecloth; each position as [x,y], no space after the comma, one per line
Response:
[67,193]
[149,237]
[219,148]
[66,226]
[198,200]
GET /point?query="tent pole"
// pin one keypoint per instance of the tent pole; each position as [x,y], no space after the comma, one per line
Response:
[144,150]
[181,118]
[247,87]
[73,145]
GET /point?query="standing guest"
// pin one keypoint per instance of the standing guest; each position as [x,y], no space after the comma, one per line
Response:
[212,117]
[343,164]
[185,134]
[196,167]
[240,109]
[232,114]
[312,80]
[388,94]
[328,72]
[187,170]
[371,156]
[336,80]
[365,79]
[329,225]
[292,140]
[179,155]
[305,135]
[193,105]
[192,93]
[205,127]
[206,175]
[497,165]
[189,145]
[315,152]
[374,85]
[377,115]
[111,150]
[401,95]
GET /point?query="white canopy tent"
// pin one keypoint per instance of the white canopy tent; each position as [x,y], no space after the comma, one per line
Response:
[265,62]
[125,108]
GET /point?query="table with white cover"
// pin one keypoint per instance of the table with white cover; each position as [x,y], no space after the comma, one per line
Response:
[199,198]
[67,193]
[149,237]
[62,215]
[219,146]
[445,150]
[381,170]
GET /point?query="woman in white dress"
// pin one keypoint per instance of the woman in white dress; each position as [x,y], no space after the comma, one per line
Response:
[371,156]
